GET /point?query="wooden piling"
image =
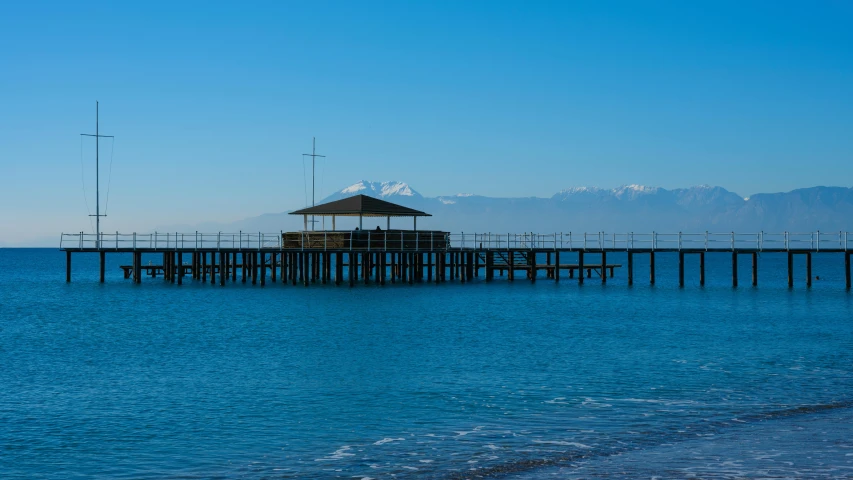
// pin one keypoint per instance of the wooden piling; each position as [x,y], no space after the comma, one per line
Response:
[263,268]
[754,269]
[102,257]
[557,266]
[203,266]
[652,268]
[138,272]
[603,267]
[180,268]
[173,269]
[701,268]
[808,269]
[680,269]
[351,268]
[223,268]
[68,266]
[790,269]
[580,267]
[630,268]
[734,269]
[847,268]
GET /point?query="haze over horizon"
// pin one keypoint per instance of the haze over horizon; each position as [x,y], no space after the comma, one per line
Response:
[213,105]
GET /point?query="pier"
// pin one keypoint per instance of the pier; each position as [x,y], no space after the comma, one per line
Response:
[411,256]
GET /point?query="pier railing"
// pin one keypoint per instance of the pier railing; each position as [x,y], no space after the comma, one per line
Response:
[760,241]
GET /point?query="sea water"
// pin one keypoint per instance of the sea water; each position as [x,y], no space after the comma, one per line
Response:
[497,380]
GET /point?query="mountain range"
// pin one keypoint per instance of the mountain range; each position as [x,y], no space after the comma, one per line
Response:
[629,208]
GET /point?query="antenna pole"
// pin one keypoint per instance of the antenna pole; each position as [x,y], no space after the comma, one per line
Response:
[97,179]
[97,214]
[313,156]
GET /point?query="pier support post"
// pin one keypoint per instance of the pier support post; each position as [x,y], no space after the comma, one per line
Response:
[734,269]
[180,268]
[243,272]
[630,268]
[847,268]
[253,259]
[263,265]
[213,268]
[204,267]
[603,267]
[411,268]
[223,268]
[429,266]
[580,267]
[808,269]
[557,266]
[273,267]
[790,269]
[234,267]
[702,268]
[531,261]
[102,254]
[754,269]
[173,269]
[138,272]
[68,266]
[511,270]
[351,268]
[294,267]
[652,268]
[680,269]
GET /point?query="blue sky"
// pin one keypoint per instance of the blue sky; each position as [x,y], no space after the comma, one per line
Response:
[213,104]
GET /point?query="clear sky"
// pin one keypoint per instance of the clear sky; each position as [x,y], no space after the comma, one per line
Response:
[213,104]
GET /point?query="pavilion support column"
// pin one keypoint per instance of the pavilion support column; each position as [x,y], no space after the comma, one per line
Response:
[294,267]
[351,268]
[411,268]
[381,265]
[306,265]
[702,268]
[339,267]
[429,266]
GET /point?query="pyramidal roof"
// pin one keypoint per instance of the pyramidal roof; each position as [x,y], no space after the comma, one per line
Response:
[361,205]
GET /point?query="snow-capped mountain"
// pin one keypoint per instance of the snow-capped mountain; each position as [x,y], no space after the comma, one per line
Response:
[627,208]
[382,190]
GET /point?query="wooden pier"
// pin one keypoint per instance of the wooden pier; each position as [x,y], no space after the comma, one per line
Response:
[428,256]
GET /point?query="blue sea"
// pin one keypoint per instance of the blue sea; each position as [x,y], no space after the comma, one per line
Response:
[476,380]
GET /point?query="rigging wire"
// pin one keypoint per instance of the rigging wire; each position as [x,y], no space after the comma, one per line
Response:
[109,182]
[83,180]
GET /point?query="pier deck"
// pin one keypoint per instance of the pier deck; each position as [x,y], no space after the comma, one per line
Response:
[408,257]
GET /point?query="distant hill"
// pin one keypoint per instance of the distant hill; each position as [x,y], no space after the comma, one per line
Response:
[627,208]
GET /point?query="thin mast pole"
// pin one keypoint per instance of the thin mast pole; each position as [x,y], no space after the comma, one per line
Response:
[313,158]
